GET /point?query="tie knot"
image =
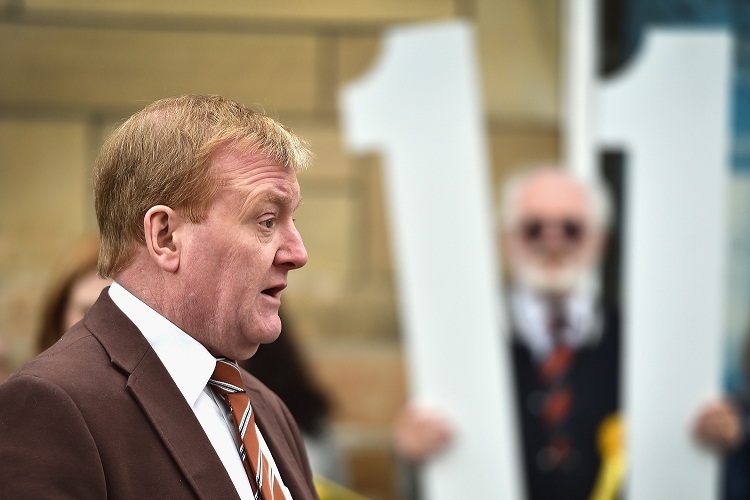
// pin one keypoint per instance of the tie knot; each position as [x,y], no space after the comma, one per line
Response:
[556,318]
[226,378]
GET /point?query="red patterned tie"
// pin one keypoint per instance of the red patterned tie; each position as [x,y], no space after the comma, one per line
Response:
[554,373]
[227,382]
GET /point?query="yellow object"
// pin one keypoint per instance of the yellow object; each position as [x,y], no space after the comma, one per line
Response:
[328,490]
[611,443]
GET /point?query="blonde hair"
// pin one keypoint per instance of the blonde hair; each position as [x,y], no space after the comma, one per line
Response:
[161,156]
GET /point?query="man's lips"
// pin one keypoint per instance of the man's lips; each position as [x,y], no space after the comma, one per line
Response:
[274,291]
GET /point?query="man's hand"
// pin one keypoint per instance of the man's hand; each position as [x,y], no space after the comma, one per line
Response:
[419,433]
[719,425]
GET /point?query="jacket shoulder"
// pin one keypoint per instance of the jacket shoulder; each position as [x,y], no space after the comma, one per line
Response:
[37,414]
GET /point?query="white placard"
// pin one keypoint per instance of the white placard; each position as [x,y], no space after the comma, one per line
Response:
[578,83]
[669,113]
[419,107]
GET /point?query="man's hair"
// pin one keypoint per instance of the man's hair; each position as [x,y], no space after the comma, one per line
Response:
[597,195]
[162,156]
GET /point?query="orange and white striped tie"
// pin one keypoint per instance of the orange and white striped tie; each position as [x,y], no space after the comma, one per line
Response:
[227,382]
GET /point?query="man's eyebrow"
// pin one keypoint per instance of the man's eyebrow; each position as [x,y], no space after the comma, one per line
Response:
[283,199]
[275,198]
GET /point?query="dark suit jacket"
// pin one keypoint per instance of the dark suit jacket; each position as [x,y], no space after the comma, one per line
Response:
[595,379]
[98,416]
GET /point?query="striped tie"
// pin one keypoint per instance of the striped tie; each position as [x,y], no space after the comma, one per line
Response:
[554,373]
[227,382]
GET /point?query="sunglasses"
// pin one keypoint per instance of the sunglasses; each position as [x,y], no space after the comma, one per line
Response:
[533,230]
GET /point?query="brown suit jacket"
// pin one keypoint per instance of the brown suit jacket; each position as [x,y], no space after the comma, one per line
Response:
[98,416]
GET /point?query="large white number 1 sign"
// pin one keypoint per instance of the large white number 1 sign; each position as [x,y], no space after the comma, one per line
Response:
[419,108]
[669,112]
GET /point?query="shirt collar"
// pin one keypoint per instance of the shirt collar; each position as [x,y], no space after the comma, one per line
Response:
[529,312]
[189,363]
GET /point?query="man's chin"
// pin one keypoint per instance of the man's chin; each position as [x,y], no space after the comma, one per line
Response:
[247,353]
[550,282]
[268,331]
[256,335]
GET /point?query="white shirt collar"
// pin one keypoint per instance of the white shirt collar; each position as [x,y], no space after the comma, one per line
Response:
[189,363]
[529,313]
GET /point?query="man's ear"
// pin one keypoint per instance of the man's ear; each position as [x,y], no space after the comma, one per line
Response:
[161,226]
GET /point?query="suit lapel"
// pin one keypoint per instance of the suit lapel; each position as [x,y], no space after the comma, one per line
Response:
[178,428]
[160,399]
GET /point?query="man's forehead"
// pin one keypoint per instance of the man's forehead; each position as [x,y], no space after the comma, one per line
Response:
[251,168]
[240,158]
[553,194]
[285,195]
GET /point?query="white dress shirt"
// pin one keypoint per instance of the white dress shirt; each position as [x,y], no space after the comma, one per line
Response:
[530,313]
[190,365]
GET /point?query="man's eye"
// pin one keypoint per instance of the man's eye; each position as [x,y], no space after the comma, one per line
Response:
[268,223]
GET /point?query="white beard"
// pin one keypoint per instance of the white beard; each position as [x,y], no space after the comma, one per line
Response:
[563,281]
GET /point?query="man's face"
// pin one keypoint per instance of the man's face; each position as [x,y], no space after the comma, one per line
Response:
[235,262]
[553,246]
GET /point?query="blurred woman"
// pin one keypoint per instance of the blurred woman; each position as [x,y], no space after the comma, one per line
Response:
[75,290]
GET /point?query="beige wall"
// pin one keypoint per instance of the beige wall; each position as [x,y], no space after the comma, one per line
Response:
[69,70]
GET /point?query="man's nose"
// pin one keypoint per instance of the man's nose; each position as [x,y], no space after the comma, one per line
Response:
[553,235]
[292,252]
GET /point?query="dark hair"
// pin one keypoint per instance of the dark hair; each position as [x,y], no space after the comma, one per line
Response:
[280,365]
[79,261]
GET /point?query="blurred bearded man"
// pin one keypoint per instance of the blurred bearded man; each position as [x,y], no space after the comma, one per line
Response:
[565,341]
